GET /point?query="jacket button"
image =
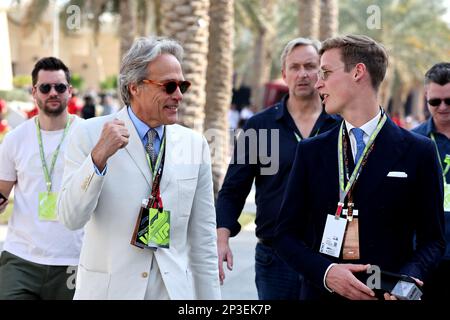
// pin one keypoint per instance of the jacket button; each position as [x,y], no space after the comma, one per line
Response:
[144,274]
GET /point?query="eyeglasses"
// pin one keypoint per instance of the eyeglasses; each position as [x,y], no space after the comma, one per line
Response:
[59,87]
[437,102]
[171,85]
[323,74]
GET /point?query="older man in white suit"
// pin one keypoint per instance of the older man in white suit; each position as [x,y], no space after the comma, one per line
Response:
[109,175]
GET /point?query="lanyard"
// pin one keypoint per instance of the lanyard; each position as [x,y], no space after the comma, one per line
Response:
[300,138]
[160,155]
[48,173]
[446,160]
[344,189]
[155,200]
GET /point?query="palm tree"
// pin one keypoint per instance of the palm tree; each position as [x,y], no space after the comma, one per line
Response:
[257,26]
[413,33]
[187,21]
[329,11]
[219,85]
[127,27]
[308,18]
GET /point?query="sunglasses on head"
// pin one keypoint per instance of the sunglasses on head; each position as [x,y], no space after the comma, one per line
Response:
[59,87]
[171,85]
[437,102]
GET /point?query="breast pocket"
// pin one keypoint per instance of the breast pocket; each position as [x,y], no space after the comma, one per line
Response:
[186,192]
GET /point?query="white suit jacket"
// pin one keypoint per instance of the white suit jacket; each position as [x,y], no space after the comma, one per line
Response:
[110,267]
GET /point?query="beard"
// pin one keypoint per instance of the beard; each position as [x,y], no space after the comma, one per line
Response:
[45,107]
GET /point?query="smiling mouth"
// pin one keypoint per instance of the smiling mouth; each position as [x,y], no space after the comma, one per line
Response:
[172,108]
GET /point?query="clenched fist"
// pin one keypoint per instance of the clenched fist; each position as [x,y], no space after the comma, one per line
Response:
[114,137]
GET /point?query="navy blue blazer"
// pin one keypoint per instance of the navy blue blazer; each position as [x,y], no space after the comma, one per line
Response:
[391,210]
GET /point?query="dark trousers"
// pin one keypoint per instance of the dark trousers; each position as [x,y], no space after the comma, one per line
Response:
[24,280]
[275,280]
[437,288]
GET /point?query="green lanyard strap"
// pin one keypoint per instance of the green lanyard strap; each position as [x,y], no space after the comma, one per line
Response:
[343,190]
[155,200]
[48,173]
[160,154]
[446,160]
[300,138]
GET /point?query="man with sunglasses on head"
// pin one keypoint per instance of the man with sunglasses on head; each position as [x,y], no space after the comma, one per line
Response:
[40,254]
[364,193]
[297,116]
[142,187]
[437,127]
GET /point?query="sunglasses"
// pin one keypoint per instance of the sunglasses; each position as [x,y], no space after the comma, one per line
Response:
[171,85]
[59,87]
[437,102]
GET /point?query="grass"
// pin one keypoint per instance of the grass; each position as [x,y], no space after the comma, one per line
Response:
[246,218]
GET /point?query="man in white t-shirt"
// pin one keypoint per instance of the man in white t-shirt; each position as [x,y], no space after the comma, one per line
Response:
[40,255]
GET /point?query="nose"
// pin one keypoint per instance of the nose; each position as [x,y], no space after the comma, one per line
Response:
[177,95]
[318,84]
[302,73]
[53,91]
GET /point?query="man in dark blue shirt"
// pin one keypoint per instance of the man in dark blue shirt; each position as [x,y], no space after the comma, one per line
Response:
[264,153]
[437,127]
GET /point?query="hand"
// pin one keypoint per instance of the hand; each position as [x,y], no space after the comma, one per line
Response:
[341,280]
[224,252]
[3,205]
[114,136]
[388,296]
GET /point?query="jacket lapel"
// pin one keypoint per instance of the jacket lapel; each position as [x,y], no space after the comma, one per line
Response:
[134,147]
[389,146]
[172,139]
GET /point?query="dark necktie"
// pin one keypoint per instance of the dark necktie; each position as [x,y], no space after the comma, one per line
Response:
[150,147]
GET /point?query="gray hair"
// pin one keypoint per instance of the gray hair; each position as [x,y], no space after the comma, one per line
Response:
[134,64]
[294,43]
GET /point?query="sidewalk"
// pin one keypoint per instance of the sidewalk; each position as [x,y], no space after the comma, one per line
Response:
[239,284]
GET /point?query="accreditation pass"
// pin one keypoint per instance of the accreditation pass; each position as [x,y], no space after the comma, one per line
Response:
[333,235]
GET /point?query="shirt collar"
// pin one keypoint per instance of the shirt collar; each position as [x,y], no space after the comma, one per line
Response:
[141,127]
[430,127]
[281,108]
[369,127]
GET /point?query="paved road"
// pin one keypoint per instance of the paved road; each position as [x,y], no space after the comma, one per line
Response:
[239,283]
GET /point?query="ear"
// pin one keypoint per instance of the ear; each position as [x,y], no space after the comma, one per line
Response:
[33,92]
[133,89]
[283,74]
[426,92]
[360,71]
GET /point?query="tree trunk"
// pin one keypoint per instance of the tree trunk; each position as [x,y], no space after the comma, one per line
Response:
[127,27]
[308,18]
[187,21]
[329,12]
[219,86]
[262,59]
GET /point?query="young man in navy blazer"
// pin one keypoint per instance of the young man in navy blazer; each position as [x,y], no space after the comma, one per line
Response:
[358,194]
